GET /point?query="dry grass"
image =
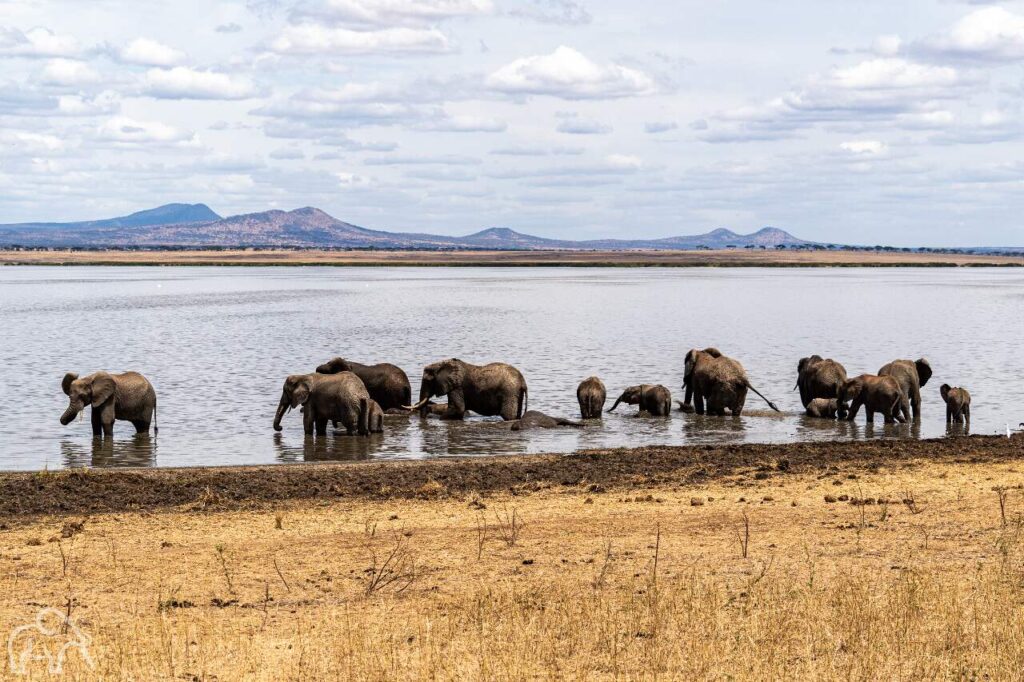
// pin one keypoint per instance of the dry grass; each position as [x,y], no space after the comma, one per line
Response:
[631,585]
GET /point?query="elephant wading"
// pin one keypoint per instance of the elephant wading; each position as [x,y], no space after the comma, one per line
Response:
[824,408]
[958,404]
[911,375]
[876,394]
[538,420]
[491,390]
[591,395]
[719,381]
[820,378]
[386,383]
[375,418]
[338,397]
[654,399]
[128,396]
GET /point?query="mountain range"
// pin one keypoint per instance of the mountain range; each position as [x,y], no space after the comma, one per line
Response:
[196,225]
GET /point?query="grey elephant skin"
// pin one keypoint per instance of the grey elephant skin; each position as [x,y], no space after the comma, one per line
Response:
[591,395]
[911,375]
[958,404]
[717,380]
[496,389]
[375,417]
[128,396]
[386,383]
[654,399]
[533,419]
[876,394]
[338,397]
[819,377]
[823,408]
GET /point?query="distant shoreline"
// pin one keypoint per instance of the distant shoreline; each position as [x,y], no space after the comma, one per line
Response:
[715,258]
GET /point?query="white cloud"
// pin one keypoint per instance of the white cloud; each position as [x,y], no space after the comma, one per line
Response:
[390,13]
[573,125]
[566,12]
[654,127]
[186,83]
[37,42]
[127,131]
[68,72]
[107,102]
[310,39]
[17,143]
[865,147]
[146,52]
[465,124]
[569,74]
[887,45]
[991,33]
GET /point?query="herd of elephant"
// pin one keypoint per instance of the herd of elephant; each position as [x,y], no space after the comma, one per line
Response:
[357,396]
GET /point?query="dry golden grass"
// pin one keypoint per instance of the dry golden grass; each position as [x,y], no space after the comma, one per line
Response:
[570,584]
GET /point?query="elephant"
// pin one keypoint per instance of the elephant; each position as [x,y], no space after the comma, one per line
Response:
[591,395]
[338,397]
[496,389]
[719,380]
[958,404]
[538,420]
[824,408]
[912,376]
[877,394]
[386,383]
[818,377]
[654,399]
[374,417]
[128,396]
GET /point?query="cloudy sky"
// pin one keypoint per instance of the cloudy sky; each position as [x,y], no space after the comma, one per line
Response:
[866,122]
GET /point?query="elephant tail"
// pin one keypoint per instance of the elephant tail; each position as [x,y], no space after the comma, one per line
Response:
[364,416]
[770,403]
[524,401]
[156,424]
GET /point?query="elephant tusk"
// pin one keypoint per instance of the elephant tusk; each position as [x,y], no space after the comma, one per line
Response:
[417,405]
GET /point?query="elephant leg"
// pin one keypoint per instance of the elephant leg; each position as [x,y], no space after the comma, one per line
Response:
[107,418]
[308,420]
[915,403]
[97,422]
[321,426]
[851,413]
[510,409]
[888,417]
[967,414]
[949,413]
[141,425]
[870,414]
[698,402]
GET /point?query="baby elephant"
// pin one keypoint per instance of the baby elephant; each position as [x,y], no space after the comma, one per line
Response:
[823,408]
[128,396]
[877,394]
[591,395]
[652,398]
[374,417]
[958,404]
[538,420]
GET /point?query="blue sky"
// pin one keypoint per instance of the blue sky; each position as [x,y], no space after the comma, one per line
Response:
[864,122]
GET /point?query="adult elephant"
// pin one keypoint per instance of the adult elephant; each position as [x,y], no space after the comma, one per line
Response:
[591,395]
[719,381]
[128,396]
[911,376]
[386,383]
[876,394]
[654,399]
[496,389]
[338,397]
[818,377]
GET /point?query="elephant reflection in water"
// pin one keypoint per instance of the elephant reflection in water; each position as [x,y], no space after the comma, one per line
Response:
[313,449]
[104,453]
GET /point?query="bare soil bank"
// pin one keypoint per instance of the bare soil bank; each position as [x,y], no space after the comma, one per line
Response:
[723,258]
[96,491]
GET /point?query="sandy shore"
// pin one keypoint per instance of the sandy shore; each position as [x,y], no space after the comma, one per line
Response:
[725,258]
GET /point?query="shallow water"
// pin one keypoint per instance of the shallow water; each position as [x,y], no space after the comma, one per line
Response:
[218,342]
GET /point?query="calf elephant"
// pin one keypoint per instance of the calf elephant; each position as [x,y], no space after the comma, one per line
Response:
[538,420]
[652,398]
[876,394]
[958,404]
[491,390]
[911,375]
[128,396]
[824,408]
[591,395]
[338,397]
[719,380]
[818,377]
[375,418]
[386,383]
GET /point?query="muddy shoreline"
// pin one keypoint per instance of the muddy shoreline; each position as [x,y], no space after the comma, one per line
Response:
[91,491]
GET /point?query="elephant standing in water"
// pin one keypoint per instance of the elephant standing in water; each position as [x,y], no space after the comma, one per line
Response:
[958,404]
[375,418]
[911,376]
[591,395]
[876,394]
[338,397]
[491,390]
[128,396]
[719,380]
[652,398]
[818,377]
[386,383]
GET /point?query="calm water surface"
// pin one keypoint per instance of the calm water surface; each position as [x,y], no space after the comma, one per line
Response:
[218,342]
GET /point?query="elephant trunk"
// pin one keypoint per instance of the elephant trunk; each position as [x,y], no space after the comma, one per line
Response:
[424,399]
[617,401]
[69,415]
[282,407]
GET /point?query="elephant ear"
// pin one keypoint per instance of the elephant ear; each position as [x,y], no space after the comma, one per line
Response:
[332,366]
[944,391]
[300,394]
[65,385]
[103,388]
[924,371]
[713,352]
[455,374]
[691,359]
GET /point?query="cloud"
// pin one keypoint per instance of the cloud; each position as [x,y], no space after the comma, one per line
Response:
[568,74]
[464,124]
[312,39]
[36,42]
[16,143]
[287,153]
[538,150]
[864,147]
[186,83]
[127,131]
[390,13]
[573,125]
[660,126]
[565,12]
[146,52]
[228,28]
[70,72]
[436,160]
[989,34]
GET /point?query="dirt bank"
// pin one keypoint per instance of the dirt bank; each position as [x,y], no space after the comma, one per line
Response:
[92,491]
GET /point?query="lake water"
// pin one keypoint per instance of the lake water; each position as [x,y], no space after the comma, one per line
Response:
[218,342]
